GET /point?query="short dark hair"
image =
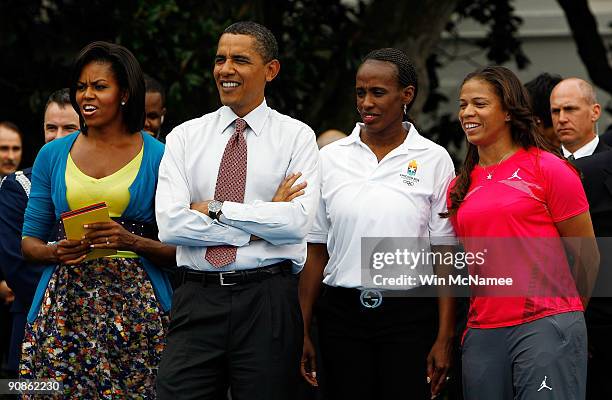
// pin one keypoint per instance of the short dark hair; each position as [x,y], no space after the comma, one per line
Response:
[265,42]
[152,85]
[539,90]
[12,127]
[61,97]
[128,74]
[406,72]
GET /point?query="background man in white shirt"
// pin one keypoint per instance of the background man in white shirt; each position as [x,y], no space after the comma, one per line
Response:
[236,320]
[575,112]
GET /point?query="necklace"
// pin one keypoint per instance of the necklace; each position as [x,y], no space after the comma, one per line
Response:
[490,173]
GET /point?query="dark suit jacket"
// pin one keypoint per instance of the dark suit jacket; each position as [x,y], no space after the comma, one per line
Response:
[601,146]
[597,181]
[21,276]
[607,136]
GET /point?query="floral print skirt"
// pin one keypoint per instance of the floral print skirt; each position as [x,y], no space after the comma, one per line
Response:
[100,331]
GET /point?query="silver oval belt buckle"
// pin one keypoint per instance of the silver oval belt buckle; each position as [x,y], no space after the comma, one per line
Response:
[371,298]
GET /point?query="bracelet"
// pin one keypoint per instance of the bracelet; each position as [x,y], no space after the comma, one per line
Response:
[54,254]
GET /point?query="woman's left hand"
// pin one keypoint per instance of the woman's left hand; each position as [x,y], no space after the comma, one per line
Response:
[110,235]
[438,364]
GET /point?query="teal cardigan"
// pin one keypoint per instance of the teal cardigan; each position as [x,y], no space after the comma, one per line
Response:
[48,201]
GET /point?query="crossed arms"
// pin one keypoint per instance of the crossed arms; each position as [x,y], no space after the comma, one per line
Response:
[283,218]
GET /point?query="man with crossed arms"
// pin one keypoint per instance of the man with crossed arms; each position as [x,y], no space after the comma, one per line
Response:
[236,321]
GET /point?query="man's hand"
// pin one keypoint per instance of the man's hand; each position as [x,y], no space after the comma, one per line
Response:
[286,191]
[201,206]
[308,364]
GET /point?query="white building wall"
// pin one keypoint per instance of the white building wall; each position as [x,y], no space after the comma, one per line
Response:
[547,42]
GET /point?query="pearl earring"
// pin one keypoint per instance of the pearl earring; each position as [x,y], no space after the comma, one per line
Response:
[123,103]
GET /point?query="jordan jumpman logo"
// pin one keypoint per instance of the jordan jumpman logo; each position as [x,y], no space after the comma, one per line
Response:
[516,175]
[544,385]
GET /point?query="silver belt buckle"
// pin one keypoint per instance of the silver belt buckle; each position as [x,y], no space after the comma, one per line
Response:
[371,298]
[222,282]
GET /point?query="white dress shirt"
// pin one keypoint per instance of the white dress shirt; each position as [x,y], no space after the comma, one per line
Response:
[585,151]
[277,146]
[396,197]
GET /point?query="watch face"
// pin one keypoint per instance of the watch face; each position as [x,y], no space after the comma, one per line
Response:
[214,206]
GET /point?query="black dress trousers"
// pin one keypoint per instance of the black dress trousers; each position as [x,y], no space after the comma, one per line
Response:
[245,337]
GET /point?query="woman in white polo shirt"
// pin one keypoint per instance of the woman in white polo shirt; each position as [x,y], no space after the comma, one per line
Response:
[384,180]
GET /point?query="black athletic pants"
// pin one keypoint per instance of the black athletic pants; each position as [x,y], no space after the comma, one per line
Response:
[374,353]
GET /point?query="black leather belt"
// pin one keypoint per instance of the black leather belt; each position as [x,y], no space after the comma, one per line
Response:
[231,278]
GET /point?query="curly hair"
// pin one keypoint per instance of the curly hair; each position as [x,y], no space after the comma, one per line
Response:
[523,128]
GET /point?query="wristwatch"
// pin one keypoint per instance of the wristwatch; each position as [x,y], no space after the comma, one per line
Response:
[214,209]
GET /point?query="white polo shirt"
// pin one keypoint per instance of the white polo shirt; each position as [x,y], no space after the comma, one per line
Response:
[399,197]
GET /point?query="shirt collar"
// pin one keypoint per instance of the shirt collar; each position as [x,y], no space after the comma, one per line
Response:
[256,119]
[584,151]
[413,141]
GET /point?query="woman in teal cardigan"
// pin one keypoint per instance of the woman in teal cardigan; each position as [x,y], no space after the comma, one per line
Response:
[99,326]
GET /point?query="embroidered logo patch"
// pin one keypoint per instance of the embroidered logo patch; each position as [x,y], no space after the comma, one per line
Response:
[412,168]
[409,178]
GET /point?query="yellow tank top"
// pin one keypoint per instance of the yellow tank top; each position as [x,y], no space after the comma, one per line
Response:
[83,190]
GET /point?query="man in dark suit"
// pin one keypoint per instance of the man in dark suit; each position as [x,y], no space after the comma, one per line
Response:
[21,277]
[607,136]
[575,112]
[597,181]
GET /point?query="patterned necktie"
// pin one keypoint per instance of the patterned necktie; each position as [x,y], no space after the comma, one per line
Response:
[231,182]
